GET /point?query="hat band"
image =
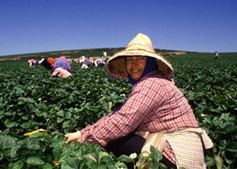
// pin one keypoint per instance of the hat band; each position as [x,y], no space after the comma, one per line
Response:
[141,43]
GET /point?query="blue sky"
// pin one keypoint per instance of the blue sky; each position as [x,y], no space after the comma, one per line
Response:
[30,26]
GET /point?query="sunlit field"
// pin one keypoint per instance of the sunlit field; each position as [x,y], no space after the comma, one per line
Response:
[30,100]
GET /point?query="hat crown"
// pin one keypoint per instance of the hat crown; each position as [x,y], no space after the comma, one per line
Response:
[140,42]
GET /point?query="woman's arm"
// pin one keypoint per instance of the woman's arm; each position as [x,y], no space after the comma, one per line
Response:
[139,104]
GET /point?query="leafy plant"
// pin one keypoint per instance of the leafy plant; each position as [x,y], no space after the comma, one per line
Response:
[30,100]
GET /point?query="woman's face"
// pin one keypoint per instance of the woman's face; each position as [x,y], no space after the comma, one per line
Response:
[135,66]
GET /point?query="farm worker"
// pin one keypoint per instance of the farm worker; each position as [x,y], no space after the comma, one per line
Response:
[85,62]
[216,55]
[60,72]
[104,54]
[77,60]
[171,56]
[47,62]
[63,63]
[32,63]
[91,60]
[62,68]
[155,112]
[82,59]
[99,62]
[84,66]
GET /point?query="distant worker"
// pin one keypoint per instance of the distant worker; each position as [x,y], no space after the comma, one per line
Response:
[47,62]
[77,60]
[105,54]
[216,55]
[62,68]
[171,56]
[91,60]
[32,63]
[85,62]
[99,62]
[63,63]
[60,72]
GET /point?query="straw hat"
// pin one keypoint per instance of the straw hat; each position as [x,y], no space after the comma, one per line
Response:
[141,45]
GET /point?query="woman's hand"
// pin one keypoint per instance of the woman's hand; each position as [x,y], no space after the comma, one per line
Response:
[72,137]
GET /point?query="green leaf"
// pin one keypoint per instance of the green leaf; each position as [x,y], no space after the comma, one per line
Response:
[60,120]
[91,108]
[66,124]
[47,166]
[17,165]
[29,100]
[106,160]
[10,124]
[125,159]
[42,136]
[69,163]
[57,152]
[69,124]
[25,100]
[92,164]
[1,155]
[68,115]
[119,165]
[26,125]
[33,144]
[210,161]
[14,151]
[6,142]
[24,117]
[65,151]
[155,154]
[60,113]
[34,160]
[232,150]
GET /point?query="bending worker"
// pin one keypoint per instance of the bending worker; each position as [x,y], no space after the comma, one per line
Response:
[47,62]
[62,68]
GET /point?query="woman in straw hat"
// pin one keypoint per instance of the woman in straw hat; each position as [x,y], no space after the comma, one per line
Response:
[155,113]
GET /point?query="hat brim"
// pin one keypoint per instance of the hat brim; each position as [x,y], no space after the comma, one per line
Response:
[115,66]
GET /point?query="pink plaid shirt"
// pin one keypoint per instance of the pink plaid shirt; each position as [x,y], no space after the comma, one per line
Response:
[155,104]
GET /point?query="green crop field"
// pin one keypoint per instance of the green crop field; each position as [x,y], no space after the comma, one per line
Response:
[30,100]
